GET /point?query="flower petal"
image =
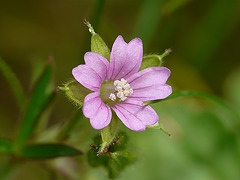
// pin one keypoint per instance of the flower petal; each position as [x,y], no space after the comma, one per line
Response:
[87,77]
[99,113]
[98,63]
[125,58]
[102,118]
[117,57]
[91,103]
[149,84]
[134,115]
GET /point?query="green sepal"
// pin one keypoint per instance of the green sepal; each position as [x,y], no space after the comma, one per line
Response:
[158,126]
[75,92]
[151,61]
[154,60]
[108,133]
[97,43]
[99,46]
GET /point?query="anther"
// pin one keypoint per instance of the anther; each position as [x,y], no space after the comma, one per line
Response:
[122,90]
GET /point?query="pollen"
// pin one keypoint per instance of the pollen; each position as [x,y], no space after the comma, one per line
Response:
[112,97]
[122,90]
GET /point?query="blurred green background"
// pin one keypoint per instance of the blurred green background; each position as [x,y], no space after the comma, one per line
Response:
[204,37]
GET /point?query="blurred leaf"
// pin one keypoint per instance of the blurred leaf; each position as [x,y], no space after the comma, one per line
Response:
[5,146]
[108,133]
[232,88]
[49,151]
[148,20]
[94,159]
[97,13]
[37,104]
[14,84]
[173,5]
[70,125]
[221,18]
[75,91]
[118,161]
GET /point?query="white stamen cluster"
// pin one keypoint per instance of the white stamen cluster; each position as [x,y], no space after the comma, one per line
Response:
[122,90]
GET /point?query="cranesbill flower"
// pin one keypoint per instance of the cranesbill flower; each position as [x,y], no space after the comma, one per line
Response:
[118,85]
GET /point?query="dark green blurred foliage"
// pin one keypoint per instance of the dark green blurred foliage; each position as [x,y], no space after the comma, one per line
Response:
[204,37]
[115,158]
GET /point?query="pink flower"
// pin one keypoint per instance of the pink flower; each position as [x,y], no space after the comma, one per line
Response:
[119,86]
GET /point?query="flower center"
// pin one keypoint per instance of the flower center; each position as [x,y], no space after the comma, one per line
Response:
[112,92]
[122,90]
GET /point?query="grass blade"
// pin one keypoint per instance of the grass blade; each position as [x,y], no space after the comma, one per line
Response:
[49,151]
[36,104]
[148,20]
[14,84]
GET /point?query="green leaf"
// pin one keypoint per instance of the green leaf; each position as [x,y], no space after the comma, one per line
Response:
[14,84]
[5,146]
[75,91]
[148,19]
[108,133]
[49,151]
[36,105]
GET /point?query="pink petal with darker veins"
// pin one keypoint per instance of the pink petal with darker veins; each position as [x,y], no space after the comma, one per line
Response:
[102,118]
[91,103]
[87,77]
[98,63]
[125,59]
[99,113]
[149,84]
[134,115]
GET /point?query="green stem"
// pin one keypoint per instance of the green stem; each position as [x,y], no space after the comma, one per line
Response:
[108,133]
[210,97]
